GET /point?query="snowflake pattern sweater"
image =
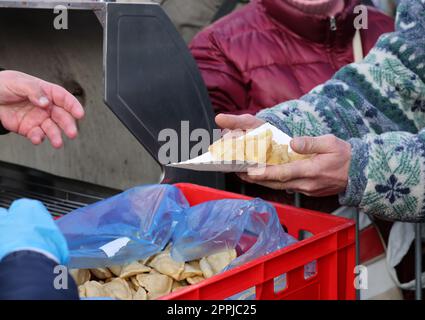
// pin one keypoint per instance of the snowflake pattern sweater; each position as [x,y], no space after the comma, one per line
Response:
[377,105]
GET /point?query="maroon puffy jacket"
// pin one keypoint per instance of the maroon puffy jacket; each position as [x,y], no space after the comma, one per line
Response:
[268,52]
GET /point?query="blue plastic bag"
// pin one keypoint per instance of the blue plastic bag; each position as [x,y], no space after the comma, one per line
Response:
[130,226]
[251,227]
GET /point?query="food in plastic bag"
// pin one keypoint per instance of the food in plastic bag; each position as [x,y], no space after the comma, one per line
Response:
[191,269]
[133,269]
[139,282]
[195,280]
[140,294]
[163,263]
[215,263]
[80,276]
[118,289]
[251,227]
[92,289]
[130,226]
[101,273]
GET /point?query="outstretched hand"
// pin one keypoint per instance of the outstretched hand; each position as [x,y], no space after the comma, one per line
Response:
[324,174]
[37,109]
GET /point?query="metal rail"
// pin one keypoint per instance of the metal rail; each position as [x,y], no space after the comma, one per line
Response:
[418,260]
[51,4]
[357,218]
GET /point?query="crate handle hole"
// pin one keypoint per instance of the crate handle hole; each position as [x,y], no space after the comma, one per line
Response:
[280,283]
[310,270]
[304,234]
[246,295]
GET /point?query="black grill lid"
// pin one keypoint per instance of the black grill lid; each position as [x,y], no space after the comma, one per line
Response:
[152,81]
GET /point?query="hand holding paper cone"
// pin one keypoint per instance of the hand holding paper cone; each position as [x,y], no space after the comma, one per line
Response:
[254,148]
[325,173]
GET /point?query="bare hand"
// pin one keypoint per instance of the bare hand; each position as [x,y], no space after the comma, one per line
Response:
[232,122]
[326,173]
[37,109]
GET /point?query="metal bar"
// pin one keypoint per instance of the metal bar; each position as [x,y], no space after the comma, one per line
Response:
[51,4]
[418,261]
[297,200]
[357,218]
[45,4]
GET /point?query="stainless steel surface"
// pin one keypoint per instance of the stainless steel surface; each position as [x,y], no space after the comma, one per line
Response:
[45,4]
[418,261]
[71,4]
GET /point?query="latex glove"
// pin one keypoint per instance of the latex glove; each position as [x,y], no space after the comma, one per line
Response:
[27,225]
[36,109]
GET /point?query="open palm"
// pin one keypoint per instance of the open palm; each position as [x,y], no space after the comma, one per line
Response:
[37,109]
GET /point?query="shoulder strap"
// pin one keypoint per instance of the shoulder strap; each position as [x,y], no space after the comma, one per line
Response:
[227,7]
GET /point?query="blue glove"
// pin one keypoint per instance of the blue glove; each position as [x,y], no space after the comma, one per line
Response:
[27,225]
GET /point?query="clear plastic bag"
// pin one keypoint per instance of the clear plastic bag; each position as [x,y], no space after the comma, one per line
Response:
[251,227]
[130,226]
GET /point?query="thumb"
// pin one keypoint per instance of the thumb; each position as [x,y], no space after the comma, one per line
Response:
[312,145]
[36,94]
[29,87]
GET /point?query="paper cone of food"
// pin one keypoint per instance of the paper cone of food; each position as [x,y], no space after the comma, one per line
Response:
[265,145]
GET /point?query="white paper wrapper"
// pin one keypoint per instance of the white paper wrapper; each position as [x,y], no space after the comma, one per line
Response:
[206,162]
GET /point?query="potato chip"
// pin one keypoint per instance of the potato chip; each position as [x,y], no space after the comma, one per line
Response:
[154,295]
[228,149]
[94,289]
[133,269]
[163,263]
[155,283]
[101,273]
[177,285]
[215,263]
[80,276]
[191,269]
[257,147]
[278,154]
[118,289]
[140,294]
[135,283]
[115,270]
[82,291]
[195,280]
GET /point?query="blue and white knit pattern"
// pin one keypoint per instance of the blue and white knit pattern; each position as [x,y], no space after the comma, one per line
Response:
[377,105]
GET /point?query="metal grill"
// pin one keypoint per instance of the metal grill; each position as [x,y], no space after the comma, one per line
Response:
[56,206]
[59,195]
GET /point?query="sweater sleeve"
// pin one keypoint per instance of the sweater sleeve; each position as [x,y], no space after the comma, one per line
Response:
[379,107]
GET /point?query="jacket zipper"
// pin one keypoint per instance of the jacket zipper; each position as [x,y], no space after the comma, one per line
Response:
[333,23]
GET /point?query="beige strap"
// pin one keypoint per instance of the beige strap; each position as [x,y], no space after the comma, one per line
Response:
[358,47]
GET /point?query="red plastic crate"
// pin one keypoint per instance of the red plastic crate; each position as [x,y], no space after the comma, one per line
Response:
[332,246]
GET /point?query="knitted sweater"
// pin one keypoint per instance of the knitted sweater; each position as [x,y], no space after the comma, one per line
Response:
[378,106]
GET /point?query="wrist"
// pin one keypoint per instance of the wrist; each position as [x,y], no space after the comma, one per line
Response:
[357,179]
[274,120]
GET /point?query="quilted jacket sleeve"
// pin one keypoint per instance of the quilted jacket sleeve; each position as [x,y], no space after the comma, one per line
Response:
[220,75]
